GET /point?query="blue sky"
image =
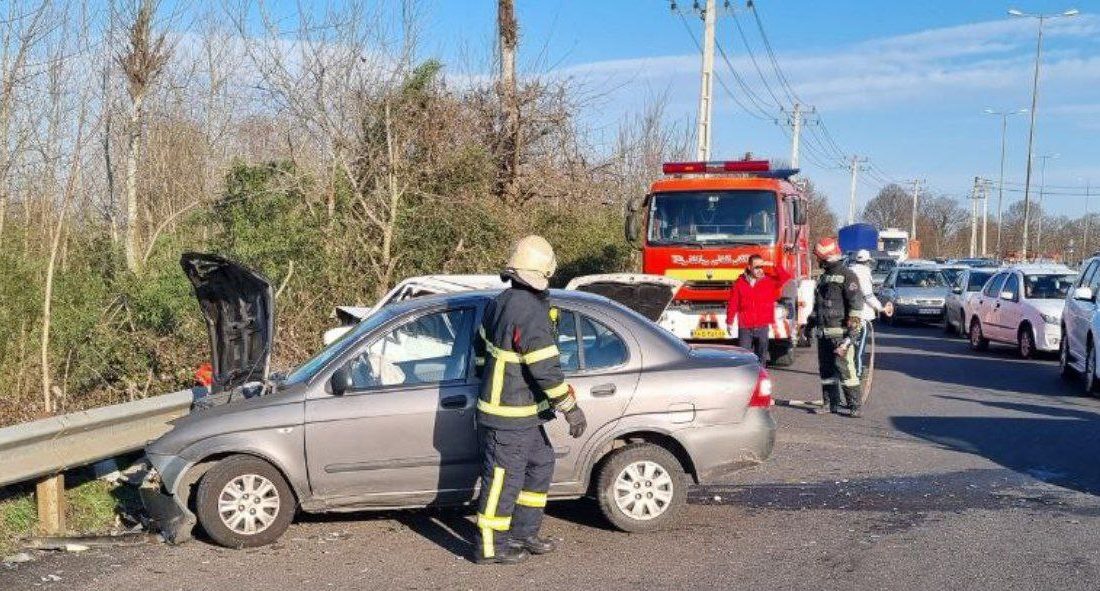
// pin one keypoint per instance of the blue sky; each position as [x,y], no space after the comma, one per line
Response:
[901,83]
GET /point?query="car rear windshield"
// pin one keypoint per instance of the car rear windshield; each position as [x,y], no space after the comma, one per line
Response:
[977,280]
[920,278]
[1047,287]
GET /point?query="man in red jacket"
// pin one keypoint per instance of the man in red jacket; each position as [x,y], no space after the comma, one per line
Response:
[752,303]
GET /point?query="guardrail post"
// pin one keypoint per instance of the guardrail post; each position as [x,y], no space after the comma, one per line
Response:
[50,494]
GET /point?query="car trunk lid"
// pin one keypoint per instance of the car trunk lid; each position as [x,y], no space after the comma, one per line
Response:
[649,295]
[237,304]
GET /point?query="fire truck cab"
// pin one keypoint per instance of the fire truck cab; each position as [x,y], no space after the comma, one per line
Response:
[701,222]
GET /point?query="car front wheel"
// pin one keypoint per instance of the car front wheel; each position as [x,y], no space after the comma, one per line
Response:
[641,487]
[1025,343]
[1090,371]
[1063,357]
[244,502]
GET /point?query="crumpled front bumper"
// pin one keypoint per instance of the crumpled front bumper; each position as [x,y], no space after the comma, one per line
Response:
[167,516]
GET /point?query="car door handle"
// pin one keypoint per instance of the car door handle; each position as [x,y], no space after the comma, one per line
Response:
[603,390]
[453,402]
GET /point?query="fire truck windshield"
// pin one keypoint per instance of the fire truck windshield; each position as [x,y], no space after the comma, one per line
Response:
[713,217]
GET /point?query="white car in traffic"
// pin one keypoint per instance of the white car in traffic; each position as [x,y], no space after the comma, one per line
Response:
[1081,327]
[1021,305]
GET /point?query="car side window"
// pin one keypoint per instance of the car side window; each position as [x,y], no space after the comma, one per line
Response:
[1085,278]
[428,349]
[601,347]
[568,342]
[1093,281]
[993,288]
[1012,286]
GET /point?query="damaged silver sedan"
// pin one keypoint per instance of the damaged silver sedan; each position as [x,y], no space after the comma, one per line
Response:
[384,417]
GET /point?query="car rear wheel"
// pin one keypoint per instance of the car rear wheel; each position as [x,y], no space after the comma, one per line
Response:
[244,502]
[1025,343]
[978,342]
[641,487]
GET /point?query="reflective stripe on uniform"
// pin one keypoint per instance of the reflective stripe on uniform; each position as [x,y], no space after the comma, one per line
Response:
[496,383]
[558,391]
[531,499]
[565,404]
[828,381]
[541,355]
[488,521]
[832,278]
[501,410]
[834,331]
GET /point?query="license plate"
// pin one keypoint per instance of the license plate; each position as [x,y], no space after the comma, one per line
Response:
[708,333]
[929,311]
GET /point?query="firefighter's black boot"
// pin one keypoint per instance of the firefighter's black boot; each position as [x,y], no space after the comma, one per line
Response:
[506,554]
[853,395]
[536,545]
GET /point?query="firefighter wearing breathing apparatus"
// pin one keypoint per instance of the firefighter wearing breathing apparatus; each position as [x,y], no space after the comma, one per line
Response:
[837,320]
[522,387]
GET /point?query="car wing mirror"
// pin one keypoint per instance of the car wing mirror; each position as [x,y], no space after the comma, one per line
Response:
[957,290]
[340,381]
[1007,295]
[1083,293]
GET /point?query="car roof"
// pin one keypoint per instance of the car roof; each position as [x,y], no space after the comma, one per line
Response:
[1040,269]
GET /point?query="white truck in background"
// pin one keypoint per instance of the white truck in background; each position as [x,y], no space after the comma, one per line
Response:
[895,243]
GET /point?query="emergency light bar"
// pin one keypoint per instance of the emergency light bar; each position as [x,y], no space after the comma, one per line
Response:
[715,166]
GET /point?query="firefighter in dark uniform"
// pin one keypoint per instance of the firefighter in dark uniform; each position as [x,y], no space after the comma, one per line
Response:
[522,387]
[838,305]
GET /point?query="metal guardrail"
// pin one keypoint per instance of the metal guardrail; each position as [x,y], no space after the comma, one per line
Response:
[49,446]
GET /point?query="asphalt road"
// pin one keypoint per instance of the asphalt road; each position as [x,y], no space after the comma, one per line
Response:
[969,471]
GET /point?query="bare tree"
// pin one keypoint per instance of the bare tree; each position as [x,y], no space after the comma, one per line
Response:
[142,62]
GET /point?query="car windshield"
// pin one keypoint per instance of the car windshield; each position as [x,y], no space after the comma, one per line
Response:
[893,244]
[920,278]
[306,370]
[977,280]
[951,274]
[1048,287]
[713,217]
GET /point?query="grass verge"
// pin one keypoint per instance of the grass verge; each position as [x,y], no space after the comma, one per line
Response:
[91,507]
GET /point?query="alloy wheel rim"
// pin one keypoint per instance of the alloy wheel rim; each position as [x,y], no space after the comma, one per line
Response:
[1025,344]
[1090,369]
[643,490]
[248,504]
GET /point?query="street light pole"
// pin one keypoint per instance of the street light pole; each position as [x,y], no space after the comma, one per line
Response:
[1004,115]
[1034,111]
[1042,193]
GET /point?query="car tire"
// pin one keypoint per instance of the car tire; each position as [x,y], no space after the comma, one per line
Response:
[662,497]
[1025,342]
[1089,375]
[781,353]
[257,482]
[948,328]
[978,342]
[1065,369]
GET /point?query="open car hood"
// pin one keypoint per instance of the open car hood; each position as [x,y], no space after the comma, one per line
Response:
[237,304]
[648,295]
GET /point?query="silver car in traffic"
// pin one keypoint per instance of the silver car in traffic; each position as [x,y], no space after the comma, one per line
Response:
[384,418]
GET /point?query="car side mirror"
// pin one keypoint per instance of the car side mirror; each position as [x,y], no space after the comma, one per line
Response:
[1083,293]
[957,290]
[340,381]
[1007,295]
[799,213]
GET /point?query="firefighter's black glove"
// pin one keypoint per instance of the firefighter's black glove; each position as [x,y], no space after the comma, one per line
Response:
[577,422]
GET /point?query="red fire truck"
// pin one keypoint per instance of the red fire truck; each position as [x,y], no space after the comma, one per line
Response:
[700,223]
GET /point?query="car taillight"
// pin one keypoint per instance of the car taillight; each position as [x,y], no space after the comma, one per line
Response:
[762,395]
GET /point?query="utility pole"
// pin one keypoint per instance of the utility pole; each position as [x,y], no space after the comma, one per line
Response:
[913,215]
[706,91]
[1034,112]
[508,30]
[1042,193]
[853,167]
[974,216]
[796,125]
[1004,115]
